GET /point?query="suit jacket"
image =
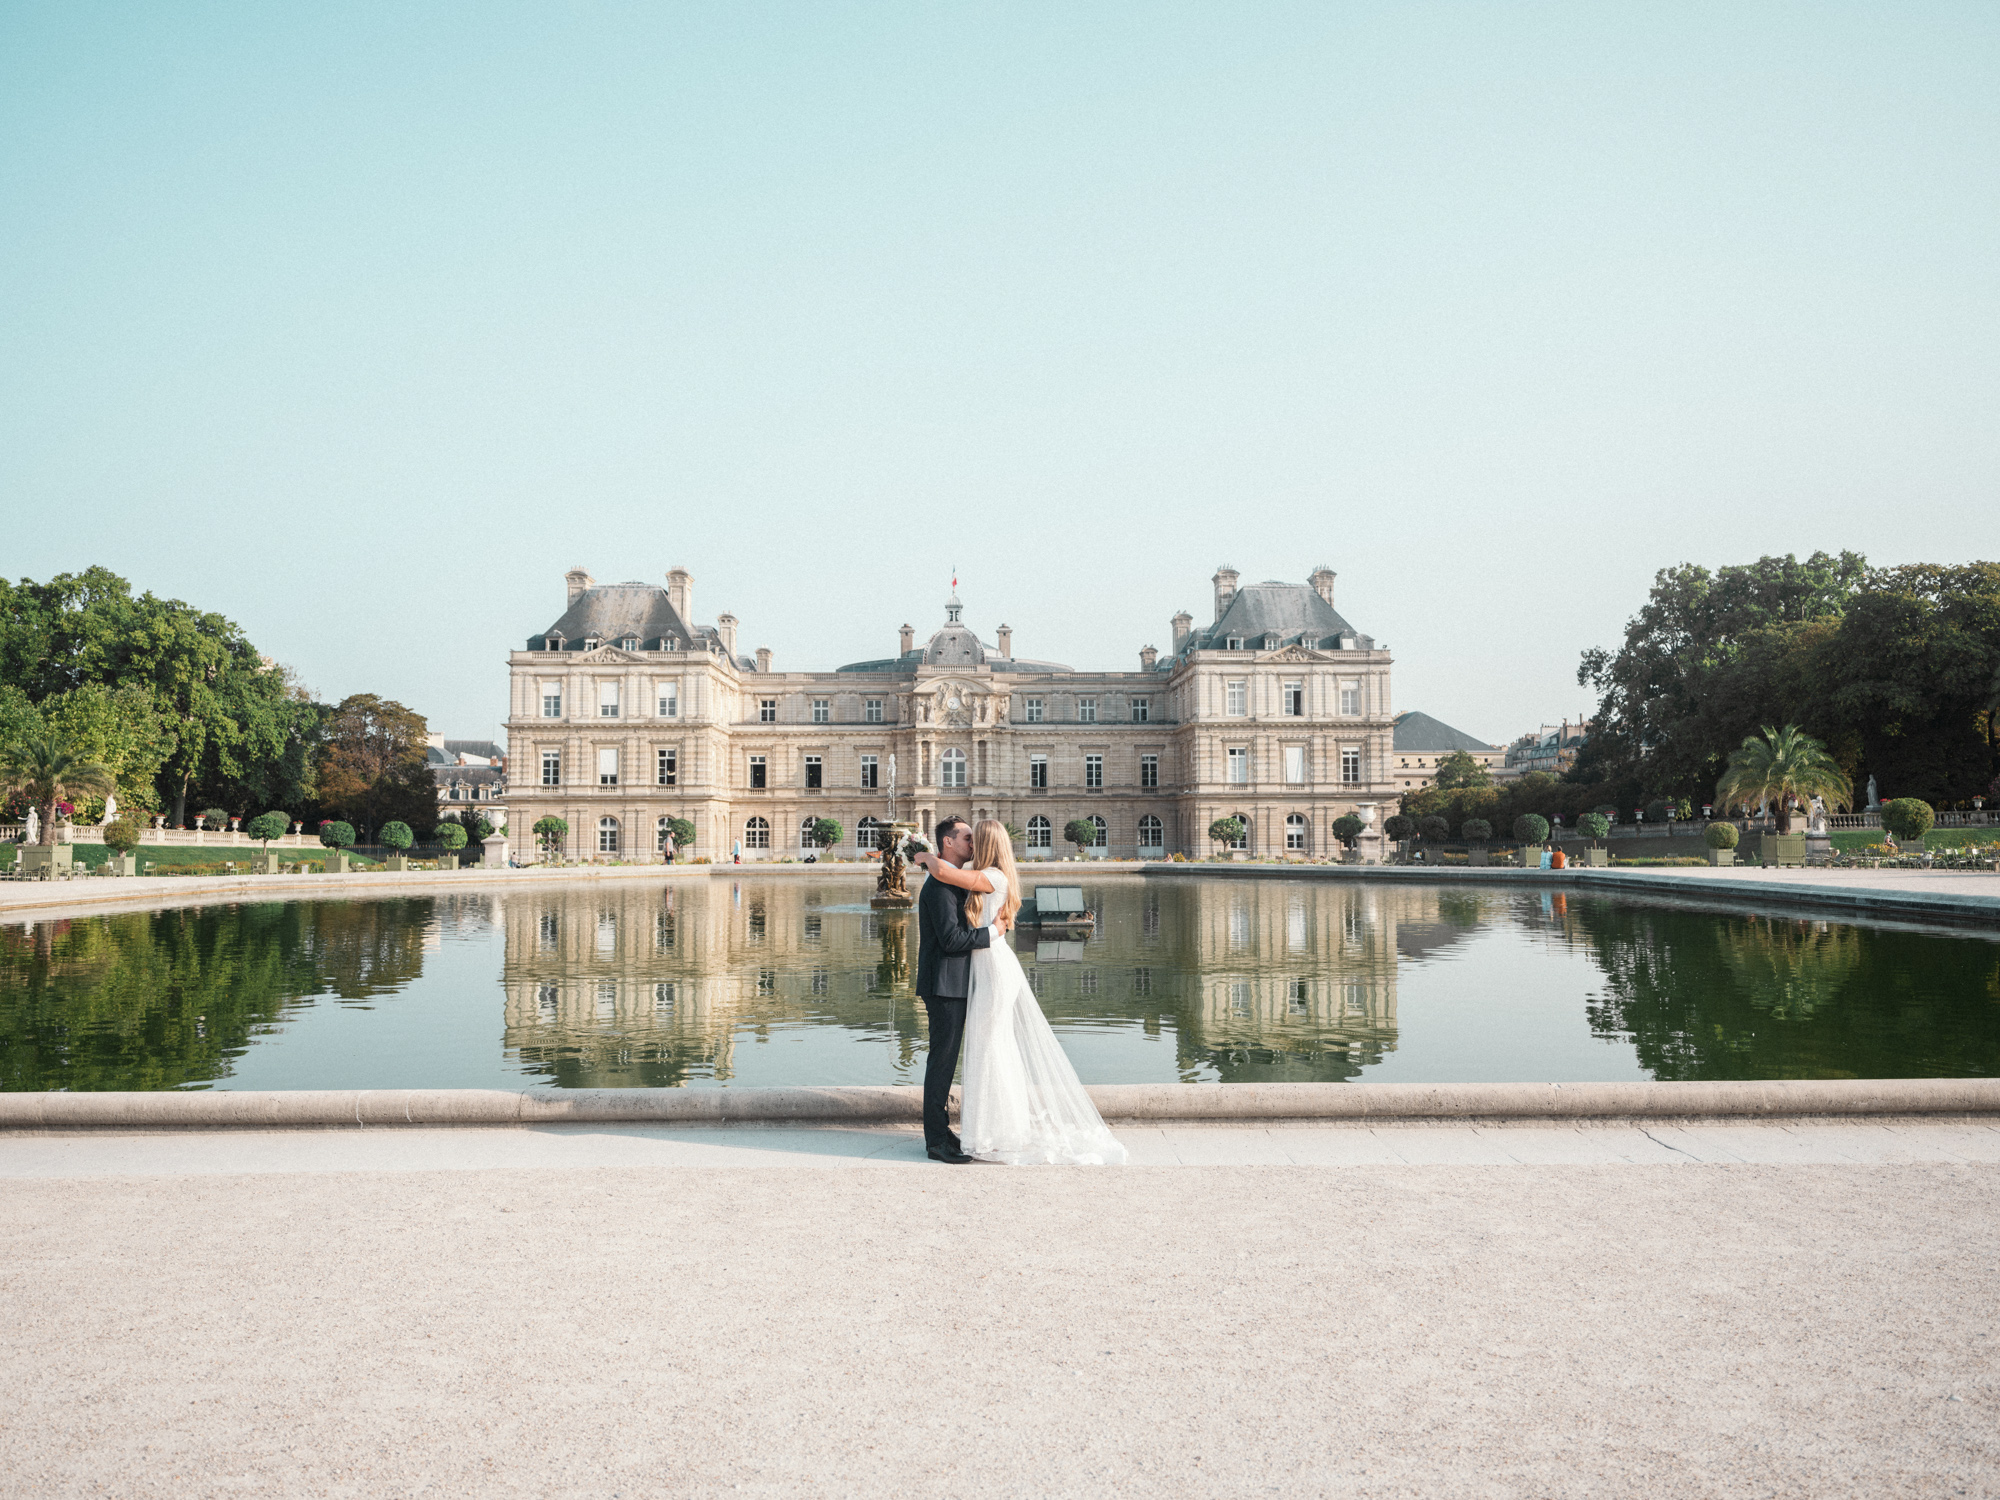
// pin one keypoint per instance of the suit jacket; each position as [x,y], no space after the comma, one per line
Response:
[945,942]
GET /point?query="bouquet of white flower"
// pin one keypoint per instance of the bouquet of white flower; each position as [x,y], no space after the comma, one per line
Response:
[915,844]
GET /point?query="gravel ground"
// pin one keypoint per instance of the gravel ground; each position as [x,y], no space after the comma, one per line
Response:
[1805,1330]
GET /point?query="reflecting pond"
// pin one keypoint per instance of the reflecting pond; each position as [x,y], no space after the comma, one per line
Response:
[773,980]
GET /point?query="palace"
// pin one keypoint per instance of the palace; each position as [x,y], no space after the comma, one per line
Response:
[625,713]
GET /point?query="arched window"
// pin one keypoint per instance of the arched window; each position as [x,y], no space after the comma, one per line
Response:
[1152,834]
[806,831]
[1041,835]
[1295,833]
[607,835]
[661,830]
[1102,834]
[951,768]
[756,834]
[867,835]
[1242,840]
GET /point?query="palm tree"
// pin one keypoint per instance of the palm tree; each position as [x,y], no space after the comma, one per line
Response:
[49,769]
[1785,764]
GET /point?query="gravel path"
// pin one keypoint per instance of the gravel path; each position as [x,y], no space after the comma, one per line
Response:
[1804,1330]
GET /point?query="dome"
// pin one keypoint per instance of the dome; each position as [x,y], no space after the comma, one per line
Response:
[954,645]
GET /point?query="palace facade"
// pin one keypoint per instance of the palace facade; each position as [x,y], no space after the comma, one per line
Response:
[625,713]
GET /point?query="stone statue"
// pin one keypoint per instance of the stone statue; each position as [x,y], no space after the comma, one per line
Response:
[1874,802]
[891,891]
[110,808]
[34,826]
[1816,822]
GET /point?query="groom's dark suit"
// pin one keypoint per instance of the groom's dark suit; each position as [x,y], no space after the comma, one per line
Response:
[945,944]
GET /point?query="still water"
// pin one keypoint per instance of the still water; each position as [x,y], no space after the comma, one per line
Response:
[777,981]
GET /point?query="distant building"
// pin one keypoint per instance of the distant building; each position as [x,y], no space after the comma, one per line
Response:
[1421,742]
[1552,748]
[471,775]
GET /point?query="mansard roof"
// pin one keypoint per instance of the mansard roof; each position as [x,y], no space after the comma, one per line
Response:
[612,612]
[1420,734]
[1273,613]
[953,644]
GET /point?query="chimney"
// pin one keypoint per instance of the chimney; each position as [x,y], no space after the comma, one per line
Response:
[1147,657]
[725,626]
[1183,625]
[1322,582]
[578,581]
[763,658]
[680,594]
[1004,637]
[909,635]
[1225,589]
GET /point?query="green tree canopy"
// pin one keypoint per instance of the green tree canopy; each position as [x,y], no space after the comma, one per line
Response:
[550,831]
[336,835]
[826,832]
[1461,769]
[1475,830]
[1531,828]
[1080,832]
[372,766]
[1347,828]
[1227,832]
[1399,826]
[47,769]
[1777,767]
[267,826]
[682,830]
[121,835]
[1908,819]
[397,835]
[450,835]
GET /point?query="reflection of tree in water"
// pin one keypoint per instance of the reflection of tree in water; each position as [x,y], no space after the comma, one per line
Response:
[157,1000]
[1708,996]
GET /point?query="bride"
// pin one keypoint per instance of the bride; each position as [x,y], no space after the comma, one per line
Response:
[1022,1102]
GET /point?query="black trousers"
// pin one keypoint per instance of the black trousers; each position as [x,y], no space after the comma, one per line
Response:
[947,1036]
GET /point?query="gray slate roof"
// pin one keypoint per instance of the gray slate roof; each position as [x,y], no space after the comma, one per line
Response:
[1420,734]
[1274,613]
[613,611]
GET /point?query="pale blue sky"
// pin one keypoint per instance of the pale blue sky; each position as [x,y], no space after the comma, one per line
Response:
[363,323]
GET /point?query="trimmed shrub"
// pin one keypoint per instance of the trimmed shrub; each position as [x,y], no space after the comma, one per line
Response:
[1347,828]
[121,835]
[550,832]
[217,818]
[1080,832]
[1531,828]
[1593,825]
[450,836]
[1226,831]
[1909,819]
[1475,830]
[1657,810]
[268,826]
[398,836]
[336,835]
[1433,827]
[1399,826]
[1721,836]
[683,832]
[826,832]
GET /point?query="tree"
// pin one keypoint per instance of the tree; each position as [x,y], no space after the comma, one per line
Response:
[216,816]
[1347,828]
[1721,836]
[397,835]
[1399,826]
[826,832]
[1433,828]
[1531,828]
[267,826]
[336,835]
[1594,826]
[450,836]
[1461,769]
[1475,830]
[1080,832]
[550,832]
[1785,764]
[373,765]
[121,835]
[48,770]
[681,828]
[1908,819]
[1227,832]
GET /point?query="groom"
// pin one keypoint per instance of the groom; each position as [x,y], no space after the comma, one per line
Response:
[945,943]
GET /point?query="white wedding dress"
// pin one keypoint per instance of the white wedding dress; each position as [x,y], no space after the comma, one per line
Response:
[1022,1103]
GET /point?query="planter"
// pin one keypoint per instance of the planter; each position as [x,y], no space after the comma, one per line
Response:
[336,861]
[1722,856]
[447,861]
[1782,850]
[122,864]
[264,862]
[396,862]
[1597,859]
[1475,856]
[46,861]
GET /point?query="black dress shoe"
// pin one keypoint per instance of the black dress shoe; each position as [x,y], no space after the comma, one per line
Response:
[948,1153]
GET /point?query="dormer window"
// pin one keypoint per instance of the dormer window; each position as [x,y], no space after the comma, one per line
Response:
[630,643]
[552,643]
[1235,643]
[591,642]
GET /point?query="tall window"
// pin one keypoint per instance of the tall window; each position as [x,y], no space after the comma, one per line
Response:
[607,700]
[1102,833]
[757,771]
[1350,698]
[607,767]
[813,771]
[1142,710]
[1040,834]
[1236,699]
[756,834]
[662,831]
[806,832]
[1152,834]
[1149,770]
[667,767]
[1295,699]
[868,772]
[1034,708]
[822,711]
[871,711]
[1239,766]
[1295,764]
[868,835]
[951,768]
[607,835]
[1086,710]
[551,768]
[767,710]
[669,695]
[1350,767]
[1241,841]
[1093,772]
[1038,772]
[1295,833]
[552,700]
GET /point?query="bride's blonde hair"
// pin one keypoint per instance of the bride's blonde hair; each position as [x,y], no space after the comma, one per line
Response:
[993,849]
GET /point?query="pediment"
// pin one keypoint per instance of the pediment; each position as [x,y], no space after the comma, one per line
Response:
[1296,653]
[612,654]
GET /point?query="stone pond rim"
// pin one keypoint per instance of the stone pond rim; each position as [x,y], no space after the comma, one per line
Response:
[1131,1104]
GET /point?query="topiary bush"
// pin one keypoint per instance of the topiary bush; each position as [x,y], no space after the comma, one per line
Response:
[1909,819]
[683,832]
[1531,828]
[217,818]
[1721,836]
[1593,825]
[1226,831]
[1347,828]
[268,826]
[1657,810]
[450,836]
[336,835]
[826,832]
[1399,826]
[398,836]
[1080,832]
[1475,830]
[1433,827]
[121,836]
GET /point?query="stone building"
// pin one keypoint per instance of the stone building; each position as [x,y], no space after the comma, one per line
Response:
[1422,741]
[625,713]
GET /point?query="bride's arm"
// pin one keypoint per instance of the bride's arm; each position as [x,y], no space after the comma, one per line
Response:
[965,880]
